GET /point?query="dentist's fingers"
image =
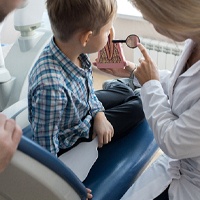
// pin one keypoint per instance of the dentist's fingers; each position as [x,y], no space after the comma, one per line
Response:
[144,52]
[141,60]
[2,122]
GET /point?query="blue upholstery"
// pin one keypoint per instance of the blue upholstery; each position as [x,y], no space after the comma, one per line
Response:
[38,153]
[120,162]
[28,132]
[117,166]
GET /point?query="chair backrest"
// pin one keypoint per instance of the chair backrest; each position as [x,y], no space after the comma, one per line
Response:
[35,174]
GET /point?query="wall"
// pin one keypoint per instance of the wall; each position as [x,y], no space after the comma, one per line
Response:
[125,25]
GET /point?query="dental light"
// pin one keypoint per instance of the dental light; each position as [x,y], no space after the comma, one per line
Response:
[34,35]
[27,19]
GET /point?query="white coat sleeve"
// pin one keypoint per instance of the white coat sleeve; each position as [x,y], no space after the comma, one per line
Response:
[177,136]
[164,80]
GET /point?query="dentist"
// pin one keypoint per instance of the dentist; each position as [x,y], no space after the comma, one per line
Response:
[171,103]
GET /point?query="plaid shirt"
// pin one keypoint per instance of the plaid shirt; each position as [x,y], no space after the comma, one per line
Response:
[61,99]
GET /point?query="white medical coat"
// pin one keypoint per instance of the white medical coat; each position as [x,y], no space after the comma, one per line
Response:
[172,109]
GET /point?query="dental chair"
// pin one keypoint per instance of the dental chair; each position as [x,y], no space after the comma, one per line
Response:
[35,174]
[120,163]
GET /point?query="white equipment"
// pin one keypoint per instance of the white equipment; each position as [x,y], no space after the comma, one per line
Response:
[24,53]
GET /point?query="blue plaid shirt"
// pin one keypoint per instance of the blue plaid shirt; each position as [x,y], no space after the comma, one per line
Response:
[61,99]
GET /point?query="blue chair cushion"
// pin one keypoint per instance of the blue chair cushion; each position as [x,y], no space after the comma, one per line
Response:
[119,163]
[28,131]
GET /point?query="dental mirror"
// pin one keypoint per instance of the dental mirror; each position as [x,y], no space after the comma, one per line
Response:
[131,41]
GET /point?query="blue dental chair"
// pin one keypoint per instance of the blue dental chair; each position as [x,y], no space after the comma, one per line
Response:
[119,163]
[35,174]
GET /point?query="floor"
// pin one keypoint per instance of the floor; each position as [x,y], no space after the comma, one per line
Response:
[99,77]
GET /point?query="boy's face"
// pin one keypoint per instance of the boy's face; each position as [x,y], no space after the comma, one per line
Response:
[98,41]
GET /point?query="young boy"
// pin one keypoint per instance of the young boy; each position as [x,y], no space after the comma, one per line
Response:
[64,109]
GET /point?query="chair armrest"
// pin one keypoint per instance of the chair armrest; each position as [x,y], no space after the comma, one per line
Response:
[38,153]
[14,110]
[35,174]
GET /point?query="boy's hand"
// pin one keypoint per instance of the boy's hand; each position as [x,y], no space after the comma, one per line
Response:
[103,129]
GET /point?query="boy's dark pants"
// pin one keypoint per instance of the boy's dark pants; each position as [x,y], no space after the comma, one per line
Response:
[123,107]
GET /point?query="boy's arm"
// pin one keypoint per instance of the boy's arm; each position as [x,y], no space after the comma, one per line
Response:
[46,114]
[101,126]
[96,105]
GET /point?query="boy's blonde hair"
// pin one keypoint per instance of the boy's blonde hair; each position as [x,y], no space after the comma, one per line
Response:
[70,16]
[173,15]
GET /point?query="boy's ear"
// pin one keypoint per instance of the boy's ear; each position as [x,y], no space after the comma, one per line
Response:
[85,37]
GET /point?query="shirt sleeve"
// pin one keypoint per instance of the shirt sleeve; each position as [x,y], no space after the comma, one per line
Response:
[177,136]
[47,109]
[96,105]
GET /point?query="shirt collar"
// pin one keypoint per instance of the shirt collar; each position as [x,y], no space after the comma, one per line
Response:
[195,68]
[65,61]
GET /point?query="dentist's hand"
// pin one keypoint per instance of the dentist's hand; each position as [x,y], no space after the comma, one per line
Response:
[120,72]
[146,70]
[89,194]
[10,134]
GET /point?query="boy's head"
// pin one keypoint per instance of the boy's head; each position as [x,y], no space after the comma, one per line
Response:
[67,17]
